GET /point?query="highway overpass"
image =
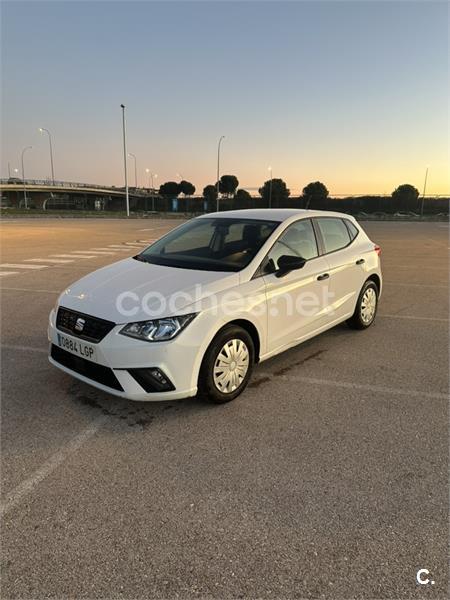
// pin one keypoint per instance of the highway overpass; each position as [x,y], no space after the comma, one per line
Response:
[62,194]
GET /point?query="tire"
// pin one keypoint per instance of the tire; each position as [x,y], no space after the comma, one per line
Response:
[216,382]
[366,307]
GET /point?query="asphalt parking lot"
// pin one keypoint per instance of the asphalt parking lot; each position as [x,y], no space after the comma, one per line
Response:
[327,478]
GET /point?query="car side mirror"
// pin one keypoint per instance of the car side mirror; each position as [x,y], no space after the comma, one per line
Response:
[287,263]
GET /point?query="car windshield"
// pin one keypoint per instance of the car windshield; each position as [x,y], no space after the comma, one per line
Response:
[210,244]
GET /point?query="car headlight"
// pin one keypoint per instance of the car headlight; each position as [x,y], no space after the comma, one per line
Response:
[157,330]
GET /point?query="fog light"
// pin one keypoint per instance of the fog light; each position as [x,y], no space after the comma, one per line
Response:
[157,374]
[152,379]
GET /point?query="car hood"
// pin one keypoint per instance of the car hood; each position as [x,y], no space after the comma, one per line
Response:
[130,290]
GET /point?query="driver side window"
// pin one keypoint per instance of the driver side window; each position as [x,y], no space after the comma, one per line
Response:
[297,240]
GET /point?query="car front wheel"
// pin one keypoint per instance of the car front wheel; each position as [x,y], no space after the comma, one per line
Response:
[227,365]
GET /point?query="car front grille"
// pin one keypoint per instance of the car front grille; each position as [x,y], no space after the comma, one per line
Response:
[93,328]
[91,370]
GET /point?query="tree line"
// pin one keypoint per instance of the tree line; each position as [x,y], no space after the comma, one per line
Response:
[275,193]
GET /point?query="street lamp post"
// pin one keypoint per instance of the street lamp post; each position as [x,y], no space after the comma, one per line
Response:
[218,170]
[42,129]
[127,199]
[150,185]
[270,188]
[23,177]
[424,190]
[133,156]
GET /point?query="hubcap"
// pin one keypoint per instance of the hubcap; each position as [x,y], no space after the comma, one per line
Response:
[231,366]
[368,305]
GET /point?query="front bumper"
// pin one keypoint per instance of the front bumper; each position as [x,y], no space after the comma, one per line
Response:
[118,356]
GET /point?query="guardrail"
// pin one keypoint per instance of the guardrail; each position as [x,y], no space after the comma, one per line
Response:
[65,184]
[16,183]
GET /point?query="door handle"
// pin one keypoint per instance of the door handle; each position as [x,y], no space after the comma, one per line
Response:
[361,261]
[324,276]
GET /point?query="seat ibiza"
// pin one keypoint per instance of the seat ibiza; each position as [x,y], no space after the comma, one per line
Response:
[195,311]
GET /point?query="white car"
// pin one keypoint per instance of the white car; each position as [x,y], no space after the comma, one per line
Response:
[198,308]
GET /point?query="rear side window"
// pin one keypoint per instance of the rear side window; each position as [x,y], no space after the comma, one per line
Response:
[334,233]
[352,229]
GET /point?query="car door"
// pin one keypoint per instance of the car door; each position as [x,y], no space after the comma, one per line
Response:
[346,270]
[297,301]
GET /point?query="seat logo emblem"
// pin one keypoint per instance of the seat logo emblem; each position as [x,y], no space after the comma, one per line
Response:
[79,325]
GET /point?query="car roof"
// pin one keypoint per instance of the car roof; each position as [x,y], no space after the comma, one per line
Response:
[273,214]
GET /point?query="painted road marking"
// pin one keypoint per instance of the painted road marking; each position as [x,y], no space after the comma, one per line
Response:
[24,348]
[3,273]
[121,249]
[359,386]
[412,318]
[427,285]
[14,266]
[14,289]
[50,260]
[72,255]
[90,252]
[27,486]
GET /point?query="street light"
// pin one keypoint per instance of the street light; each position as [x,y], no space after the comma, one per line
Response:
[424,190]
[150,178]
[23,177]
[135,168]
[9,170]
[218,170]
[42,130]
[270,188]
[127,199]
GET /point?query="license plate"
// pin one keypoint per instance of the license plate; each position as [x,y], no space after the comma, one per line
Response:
[77,347]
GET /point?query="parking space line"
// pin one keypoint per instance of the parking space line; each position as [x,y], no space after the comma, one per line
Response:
[23,348]
[121,249]
[358,386]
[14,289]
[21,266]
[407,267]
[427,285]
[72,255]
[91,253]
[50,260]
[47,468]
[412,317]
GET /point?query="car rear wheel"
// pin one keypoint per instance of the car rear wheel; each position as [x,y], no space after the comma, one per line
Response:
[366,307]
[227,365]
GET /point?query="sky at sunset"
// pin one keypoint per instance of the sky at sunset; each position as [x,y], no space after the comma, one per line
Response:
[354,94]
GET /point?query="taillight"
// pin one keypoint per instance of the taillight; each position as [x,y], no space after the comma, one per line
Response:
[377,249]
